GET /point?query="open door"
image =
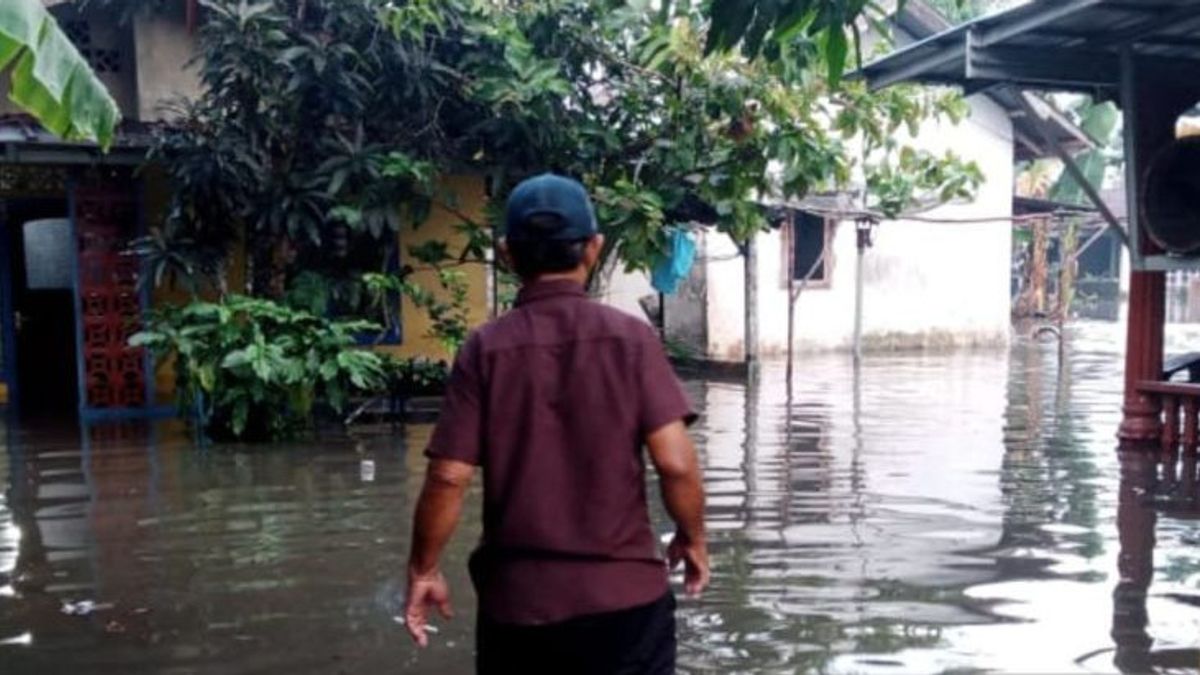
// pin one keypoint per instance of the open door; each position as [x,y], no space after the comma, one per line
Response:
[39,313]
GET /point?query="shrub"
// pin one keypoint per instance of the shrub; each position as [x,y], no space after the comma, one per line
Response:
[256,370]
[416,376]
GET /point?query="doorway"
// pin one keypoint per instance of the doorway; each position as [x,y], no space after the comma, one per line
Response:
[41,355]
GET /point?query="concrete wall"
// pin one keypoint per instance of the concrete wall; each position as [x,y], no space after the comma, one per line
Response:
[471,200]
[686,311]
[626,290]
[153,55]
[725,301]
[163,48]
[109,48]
[928,286]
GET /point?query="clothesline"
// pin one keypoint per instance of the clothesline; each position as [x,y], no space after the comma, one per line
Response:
[838,214]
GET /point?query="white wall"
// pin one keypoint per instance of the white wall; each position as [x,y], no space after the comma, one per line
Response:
[927,285]
[624,291]
[726,290]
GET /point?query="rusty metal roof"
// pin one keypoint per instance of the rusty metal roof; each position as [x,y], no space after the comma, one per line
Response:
[1061,45]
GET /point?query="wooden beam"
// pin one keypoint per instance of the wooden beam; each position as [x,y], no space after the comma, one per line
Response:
[1072,168]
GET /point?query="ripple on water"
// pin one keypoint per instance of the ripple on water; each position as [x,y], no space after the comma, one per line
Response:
[936,512]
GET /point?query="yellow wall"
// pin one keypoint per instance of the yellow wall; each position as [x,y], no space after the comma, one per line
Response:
[469,199]
[3,393]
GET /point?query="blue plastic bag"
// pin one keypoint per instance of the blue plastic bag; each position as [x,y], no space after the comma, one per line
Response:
[677,265]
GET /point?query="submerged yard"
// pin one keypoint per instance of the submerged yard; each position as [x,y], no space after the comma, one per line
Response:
[938,512]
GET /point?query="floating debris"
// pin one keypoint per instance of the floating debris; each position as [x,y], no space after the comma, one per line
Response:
[84,607]
[22,640]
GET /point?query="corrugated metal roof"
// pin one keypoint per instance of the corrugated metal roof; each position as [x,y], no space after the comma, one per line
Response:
[921,21]
[24,141]
[1050,44]
[22,128]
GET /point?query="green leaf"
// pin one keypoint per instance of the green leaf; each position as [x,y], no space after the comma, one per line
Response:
[730,18]
[837,49]
[50,79]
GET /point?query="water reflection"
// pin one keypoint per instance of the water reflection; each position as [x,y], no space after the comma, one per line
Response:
[1148,487]
[919,514]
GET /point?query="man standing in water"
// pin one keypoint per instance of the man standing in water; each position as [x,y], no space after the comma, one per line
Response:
[554,401]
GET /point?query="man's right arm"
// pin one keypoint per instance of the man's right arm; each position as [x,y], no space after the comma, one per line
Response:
[674,458]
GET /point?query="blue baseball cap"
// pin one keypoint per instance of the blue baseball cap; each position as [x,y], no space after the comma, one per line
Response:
[552,195]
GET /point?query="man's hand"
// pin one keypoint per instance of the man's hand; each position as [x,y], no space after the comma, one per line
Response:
[678,468]
[694,556]
[425,591]
[437,513]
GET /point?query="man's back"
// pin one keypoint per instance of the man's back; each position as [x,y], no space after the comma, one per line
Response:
[553,401]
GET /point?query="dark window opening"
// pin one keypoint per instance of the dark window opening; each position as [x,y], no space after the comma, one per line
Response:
[809,241]
[331,283]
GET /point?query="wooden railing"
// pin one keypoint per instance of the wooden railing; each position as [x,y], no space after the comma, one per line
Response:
[1176,490]
[1180,405]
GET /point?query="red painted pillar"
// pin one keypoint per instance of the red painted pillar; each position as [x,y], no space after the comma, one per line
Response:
[1143,356]
[1151,116]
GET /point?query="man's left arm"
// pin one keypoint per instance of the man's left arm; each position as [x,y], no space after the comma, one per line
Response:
[438,511]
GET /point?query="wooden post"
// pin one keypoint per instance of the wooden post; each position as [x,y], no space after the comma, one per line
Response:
[751,300]
[1170,435]
[1189,425]
[858,298]
[1151,111]
[862,229]
[790,243]
[1143,355]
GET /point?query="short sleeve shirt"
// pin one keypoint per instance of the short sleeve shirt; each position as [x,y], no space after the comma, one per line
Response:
[554,401]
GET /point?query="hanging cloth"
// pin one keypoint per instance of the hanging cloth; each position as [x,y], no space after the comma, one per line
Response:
[677,264]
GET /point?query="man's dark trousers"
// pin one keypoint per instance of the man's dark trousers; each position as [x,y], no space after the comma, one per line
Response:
[635,641]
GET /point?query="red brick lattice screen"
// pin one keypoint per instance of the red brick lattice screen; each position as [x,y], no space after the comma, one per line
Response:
[110,306]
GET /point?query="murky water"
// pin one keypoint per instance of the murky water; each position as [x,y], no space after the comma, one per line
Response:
[933,513]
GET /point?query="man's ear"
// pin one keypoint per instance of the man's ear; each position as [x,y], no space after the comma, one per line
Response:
[592,250]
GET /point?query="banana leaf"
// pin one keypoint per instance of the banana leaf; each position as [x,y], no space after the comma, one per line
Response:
[50,79]
[1100,121]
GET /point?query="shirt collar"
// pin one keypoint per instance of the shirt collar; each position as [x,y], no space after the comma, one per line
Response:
[542,290]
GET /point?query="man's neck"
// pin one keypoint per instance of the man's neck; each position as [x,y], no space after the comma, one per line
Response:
[579,276]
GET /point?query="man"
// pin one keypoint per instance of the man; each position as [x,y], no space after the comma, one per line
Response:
[554,401]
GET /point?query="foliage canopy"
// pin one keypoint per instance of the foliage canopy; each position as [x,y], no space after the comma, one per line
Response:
[318,126]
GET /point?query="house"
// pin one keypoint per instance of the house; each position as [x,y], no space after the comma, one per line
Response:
[940,280]
[69,294]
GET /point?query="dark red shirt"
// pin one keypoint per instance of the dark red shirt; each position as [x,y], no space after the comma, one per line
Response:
[554,401]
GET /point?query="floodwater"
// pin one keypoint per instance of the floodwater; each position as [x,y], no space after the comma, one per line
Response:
[935,513]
